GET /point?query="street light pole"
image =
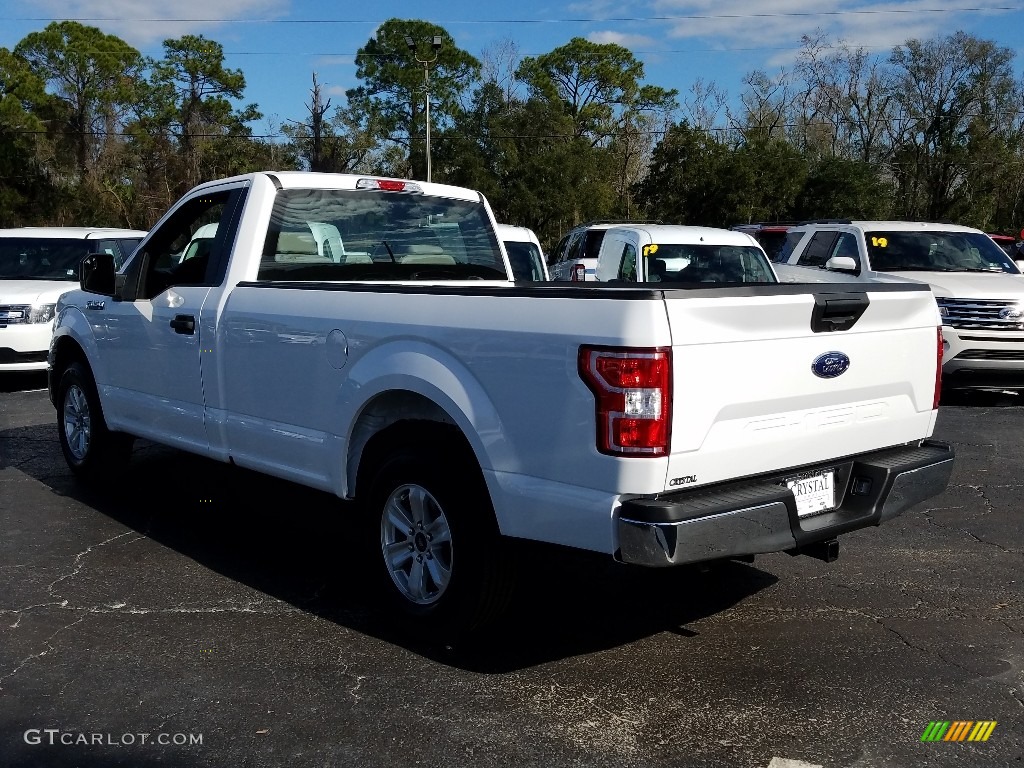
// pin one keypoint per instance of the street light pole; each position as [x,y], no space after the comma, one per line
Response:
[436,45]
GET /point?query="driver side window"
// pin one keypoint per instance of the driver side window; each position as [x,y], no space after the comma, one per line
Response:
[185,250]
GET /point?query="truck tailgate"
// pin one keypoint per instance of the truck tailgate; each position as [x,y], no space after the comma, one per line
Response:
[747,399]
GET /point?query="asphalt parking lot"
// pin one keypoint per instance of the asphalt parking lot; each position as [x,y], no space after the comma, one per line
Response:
[201,615]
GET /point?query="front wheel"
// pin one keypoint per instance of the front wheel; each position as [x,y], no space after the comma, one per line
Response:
[442,564]
[90,449]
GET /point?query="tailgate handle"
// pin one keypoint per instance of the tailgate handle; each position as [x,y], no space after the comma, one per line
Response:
[837,311]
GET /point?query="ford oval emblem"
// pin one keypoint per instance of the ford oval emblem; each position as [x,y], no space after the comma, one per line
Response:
[830,365]
[1011,313]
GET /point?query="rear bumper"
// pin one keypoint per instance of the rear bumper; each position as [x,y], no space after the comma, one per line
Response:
[759,516]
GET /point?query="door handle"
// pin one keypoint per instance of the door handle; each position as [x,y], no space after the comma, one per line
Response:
[184,324]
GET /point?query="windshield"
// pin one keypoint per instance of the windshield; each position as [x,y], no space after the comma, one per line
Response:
[37,258]
[334,234]
[707,264]
[936,252]
[55,258]
[526,260]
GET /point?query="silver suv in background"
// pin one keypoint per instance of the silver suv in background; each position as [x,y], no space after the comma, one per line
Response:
[978,287]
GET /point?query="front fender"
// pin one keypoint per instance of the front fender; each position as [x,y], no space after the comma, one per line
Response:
[71,326]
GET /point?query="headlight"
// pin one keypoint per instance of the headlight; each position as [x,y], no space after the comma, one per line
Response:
[42,313]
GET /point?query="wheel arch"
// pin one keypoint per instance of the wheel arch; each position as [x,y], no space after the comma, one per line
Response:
[72,340]
[416,382]
[396,418]
[64,350]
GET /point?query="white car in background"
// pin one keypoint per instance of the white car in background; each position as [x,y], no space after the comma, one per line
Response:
[37,266]
[524,253]
[667,253]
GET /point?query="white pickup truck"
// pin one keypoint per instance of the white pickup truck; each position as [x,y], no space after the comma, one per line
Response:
[408,371]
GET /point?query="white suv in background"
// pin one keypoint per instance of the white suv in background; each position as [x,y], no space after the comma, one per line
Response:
[524,253]
[668,253]
[979,289]
[37,266]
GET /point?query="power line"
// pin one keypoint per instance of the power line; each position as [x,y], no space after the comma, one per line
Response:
[581,20]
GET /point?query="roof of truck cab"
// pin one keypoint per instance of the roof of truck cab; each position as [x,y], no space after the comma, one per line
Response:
[678,234]
[72,233]
[317,180]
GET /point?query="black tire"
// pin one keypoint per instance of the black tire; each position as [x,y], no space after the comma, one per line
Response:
[447,485]
[92,452]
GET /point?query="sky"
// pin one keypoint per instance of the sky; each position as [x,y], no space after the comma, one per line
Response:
[279,44]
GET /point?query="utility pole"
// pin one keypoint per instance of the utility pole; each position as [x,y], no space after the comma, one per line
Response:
[436,45]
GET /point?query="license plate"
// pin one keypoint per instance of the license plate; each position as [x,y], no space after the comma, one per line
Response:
[814,493]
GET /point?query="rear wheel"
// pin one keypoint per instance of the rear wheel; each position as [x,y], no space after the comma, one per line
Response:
[90,449]
[441,563]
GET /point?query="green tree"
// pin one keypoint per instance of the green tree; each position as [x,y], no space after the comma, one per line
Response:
[26,193]
[524,157]
[841,188]
[190,98]
[599,85]
[392,97]
[600,88]
[955,93]
[93,77]
[689,180]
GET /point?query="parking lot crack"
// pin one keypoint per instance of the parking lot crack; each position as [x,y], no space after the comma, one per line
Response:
[49,648]
[357,682]
[20,612]
[77,564]
[988,504]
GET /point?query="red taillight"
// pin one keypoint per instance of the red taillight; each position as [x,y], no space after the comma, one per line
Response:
[388,185]
[632,389]
[938,372]
[579,273]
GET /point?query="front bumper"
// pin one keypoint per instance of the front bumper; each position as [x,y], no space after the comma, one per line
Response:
[23,347]
[982,359]
[758,516]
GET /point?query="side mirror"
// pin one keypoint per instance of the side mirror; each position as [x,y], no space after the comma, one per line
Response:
[96,273]
[841,264]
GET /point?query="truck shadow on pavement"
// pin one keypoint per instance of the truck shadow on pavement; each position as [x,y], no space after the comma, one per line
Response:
[296,544]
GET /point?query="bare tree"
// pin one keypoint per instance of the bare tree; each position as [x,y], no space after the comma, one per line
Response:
[847,102]
[499,63]
[705,104]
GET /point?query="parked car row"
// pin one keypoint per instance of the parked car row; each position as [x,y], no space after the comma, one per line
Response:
[978,285]
[37,266]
